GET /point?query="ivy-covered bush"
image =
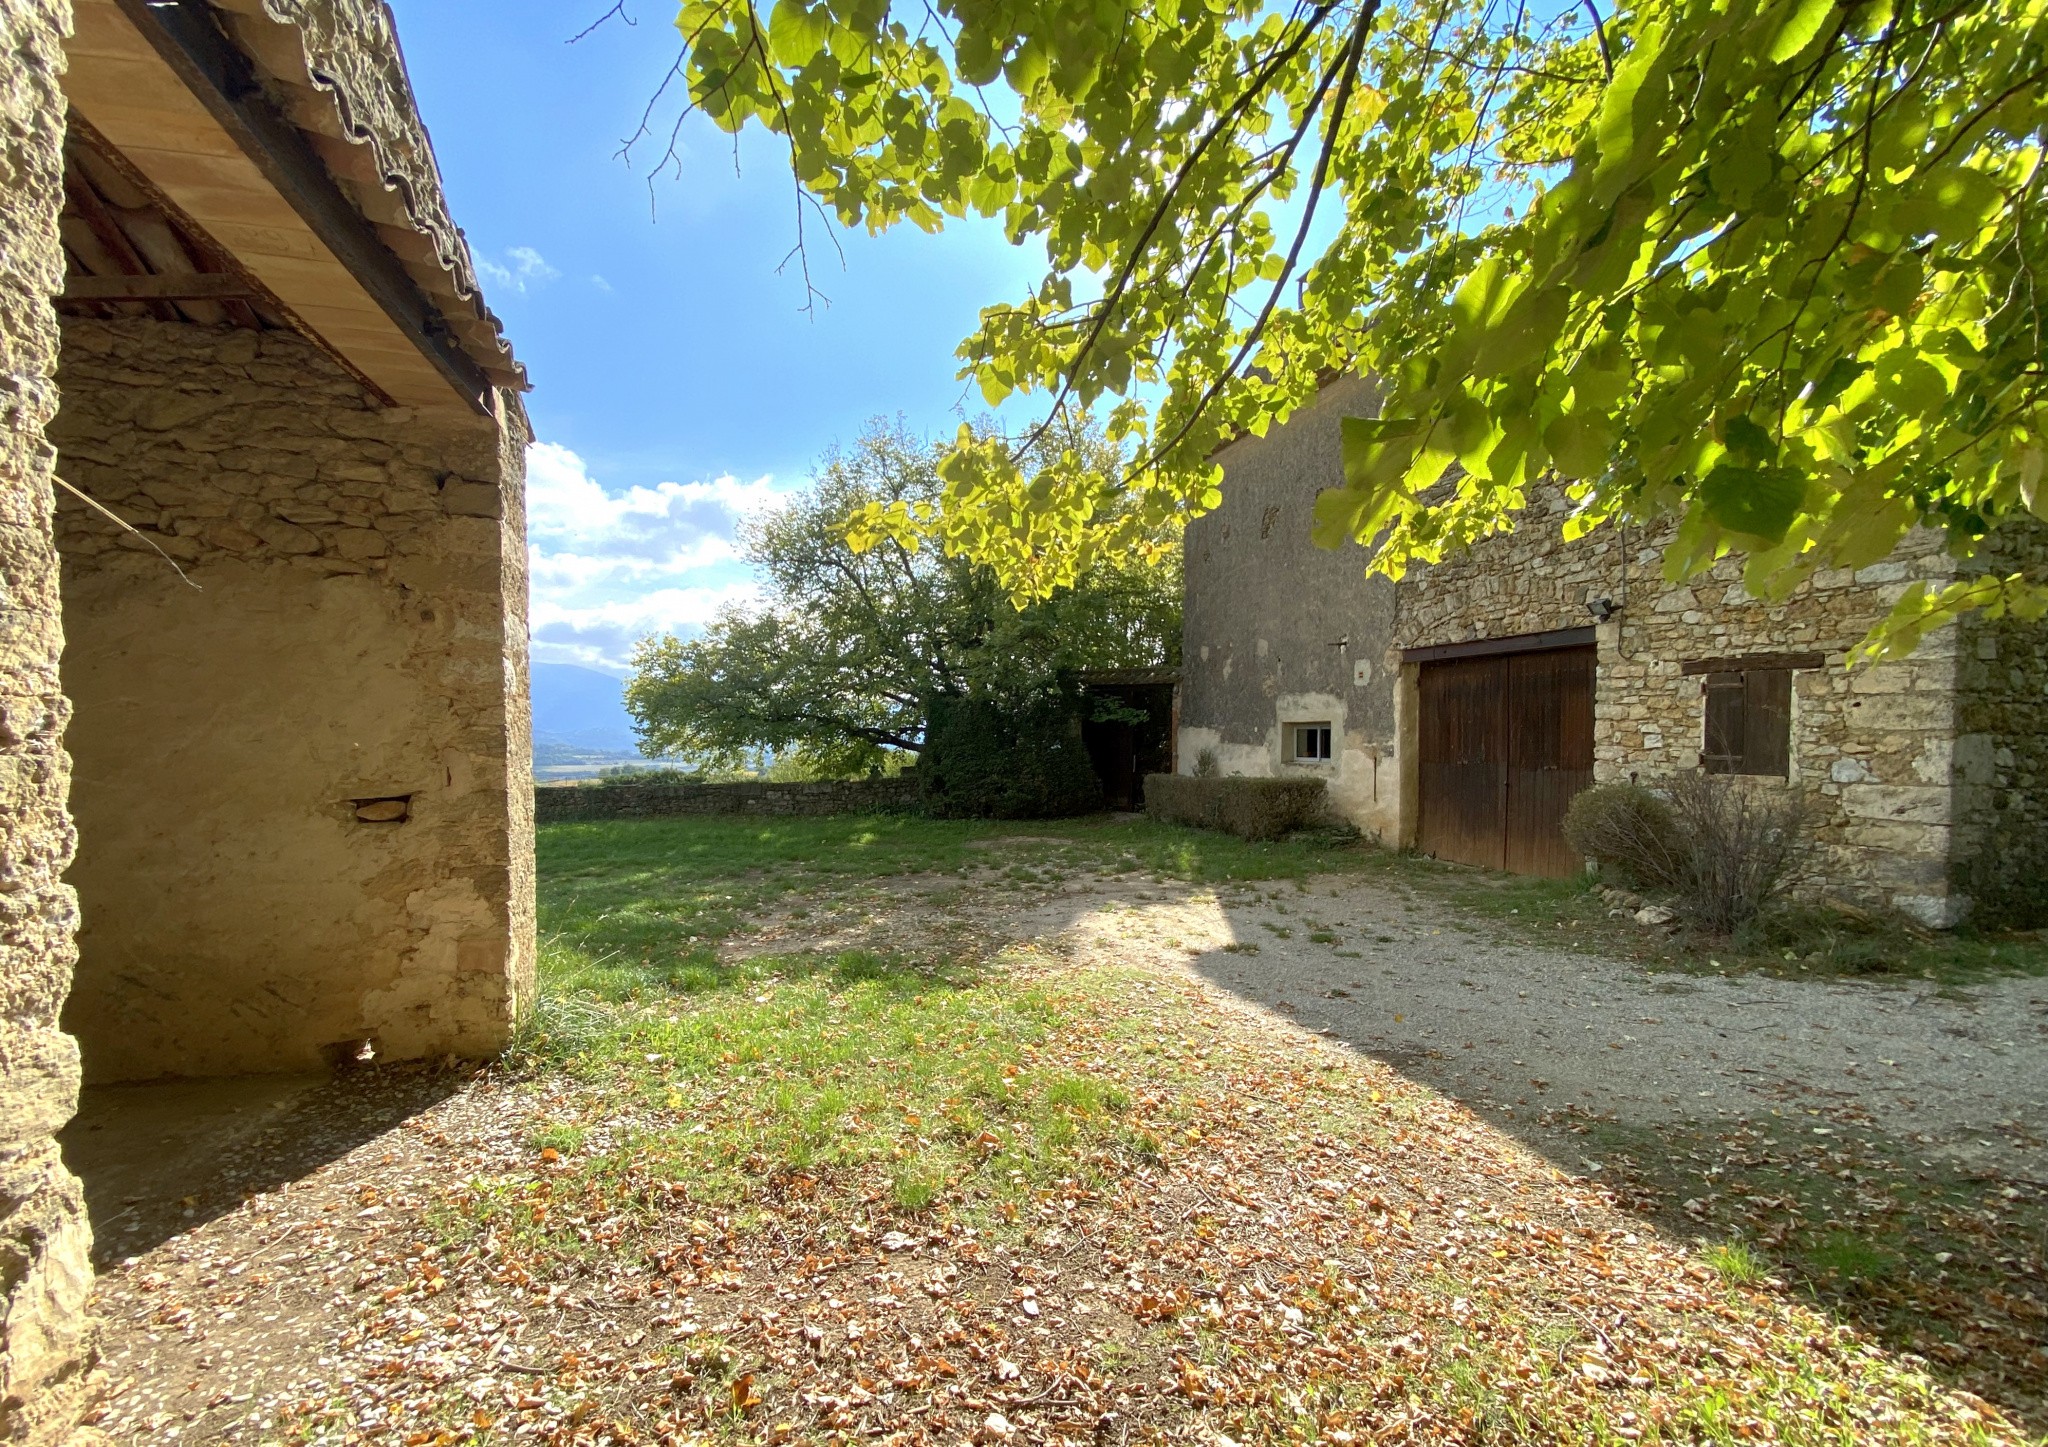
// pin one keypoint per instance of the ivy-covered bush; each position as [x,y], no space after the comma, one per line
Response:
[1248,808]
[1001,759]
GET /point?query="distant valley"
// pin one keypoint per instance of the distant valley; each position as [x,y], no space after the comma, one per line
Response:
[580,723]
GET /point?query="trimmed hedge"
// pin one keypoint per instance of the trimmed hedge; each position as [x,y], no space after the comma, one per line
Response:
[1248,808]
[985,759]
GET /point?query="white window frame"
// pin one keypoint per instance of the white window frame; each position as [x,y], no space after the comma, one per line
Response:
[1327,739]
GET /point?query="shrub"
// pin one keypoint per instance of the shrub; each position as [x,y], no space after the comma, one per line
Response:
[996,759]
[1629,830]
[1741,848]
[1248,808]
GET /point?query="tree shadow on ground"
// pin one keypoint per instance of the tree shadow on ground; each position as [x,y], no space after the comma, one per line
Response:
[162,1157]
[1929,1247]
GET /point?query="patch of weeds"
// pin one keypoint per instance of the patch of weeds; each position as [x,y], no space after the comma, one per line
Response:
[1279,931]
[1240,947]
[1850,1257]
[915,1184]
[559,1137]
[1323,937]
[1834,941]
[1737,1264]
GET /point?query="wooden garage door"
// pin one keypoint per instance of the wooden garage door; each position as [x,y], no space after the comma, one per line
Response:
[1505,744]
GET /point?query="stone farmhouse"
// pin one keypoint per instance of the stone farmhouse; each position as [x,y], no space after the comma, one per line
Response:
[261,457]
[1458,711]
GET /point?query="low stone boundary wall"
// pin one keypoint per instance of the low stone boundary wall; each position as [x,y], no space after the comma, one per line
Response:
[647,801]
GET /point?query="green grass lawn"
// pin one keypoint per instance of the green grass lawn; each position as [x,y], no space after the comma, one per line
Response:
[792,1104]
[628,905]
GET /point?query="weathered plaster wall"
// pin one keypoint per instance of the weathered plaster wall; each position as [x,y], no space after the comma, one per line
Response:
[46,1349]
[1274,626]
[357,634]
[1875,752]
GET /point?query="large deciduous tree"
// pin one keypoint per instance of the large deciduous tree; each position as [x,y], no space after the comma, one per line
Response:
[1771,266]
[838,663]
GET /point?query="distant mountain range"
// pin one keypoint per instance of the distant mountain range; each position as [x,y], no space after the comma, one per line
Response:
[580,723]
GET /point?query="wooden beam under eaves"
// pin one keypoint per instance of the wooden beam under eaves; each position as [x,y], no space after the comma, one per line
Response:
[185,34]
[194,286]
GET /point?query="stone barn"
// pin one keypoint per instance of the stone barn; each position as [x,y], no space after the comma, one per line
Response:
[266,801]
[1459,710]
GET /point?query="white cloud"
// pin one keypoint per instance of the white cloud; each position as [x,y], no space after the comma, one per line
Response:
[665,610]
[523,267]
[608,567]
[582,570]
[563,499]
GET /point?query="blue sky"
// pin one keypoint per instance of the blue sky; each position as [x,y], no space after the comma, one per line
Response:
[677,382]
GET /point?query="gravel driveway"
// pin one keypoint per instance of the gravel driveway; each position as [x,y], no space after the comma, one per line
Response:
[1517,1028]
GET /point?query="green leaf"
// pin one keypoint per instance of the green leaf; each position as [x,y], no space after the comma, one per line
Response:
[1524,335]
[1368,446]
[1760,502]
[1800,26]
[796,32]
[1582,444]
[1467,428]
[1748,441]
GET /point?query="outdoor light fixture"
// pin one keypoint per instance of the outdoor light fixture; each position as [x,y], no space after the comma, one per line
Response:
[1601,608]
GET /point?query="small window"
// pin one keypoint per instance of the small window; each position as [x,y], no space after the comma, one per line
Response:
[1749,722]
[1311,743]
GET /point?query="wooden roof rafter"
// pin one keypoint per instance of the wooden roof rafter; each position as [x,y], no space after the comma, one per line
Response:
[284,132]
[153,259]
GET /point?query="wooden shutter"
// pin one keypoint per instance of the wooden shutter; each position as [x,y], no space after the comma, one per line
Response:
[1748,722]
[1767,721]
[1722,751]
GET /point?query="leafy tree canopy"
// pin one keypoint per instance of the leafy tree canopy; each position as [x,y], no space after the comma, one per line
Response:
[1769,266]
[838,663]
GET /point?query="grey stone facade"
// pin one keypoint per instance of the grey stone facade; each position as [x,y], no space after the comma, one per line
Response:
[1276,630]
[1906,768]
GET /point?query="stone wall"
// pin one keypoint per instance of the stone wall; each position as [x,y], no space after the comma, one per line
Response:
[1874,752]
[557,802]
[301,778]
[2002,708]
[1275,629]
[45,1345]
[1908,768]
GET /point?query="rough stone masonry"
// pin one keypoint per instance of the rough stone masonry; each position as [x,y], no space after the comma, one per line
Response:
[293,781]
[45,1353]
[288,473]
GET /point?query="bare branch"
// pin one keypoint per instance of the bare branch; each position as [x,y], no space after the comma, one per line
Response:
[618,11]
[1354,54]
[1114,293]
[1600,33]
